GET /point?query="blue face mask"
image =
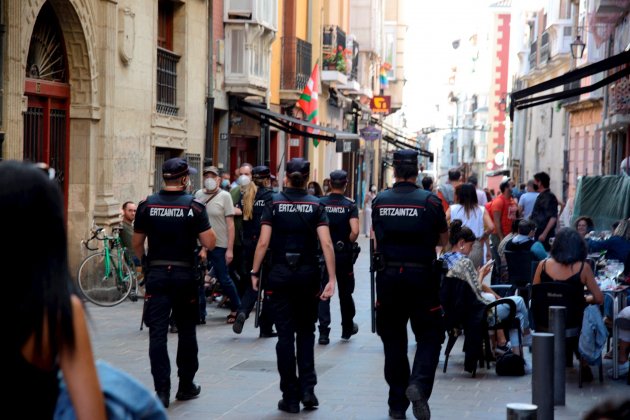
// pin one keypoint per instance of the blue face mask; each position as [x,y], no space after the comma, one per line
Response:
[276,189]
[225,183]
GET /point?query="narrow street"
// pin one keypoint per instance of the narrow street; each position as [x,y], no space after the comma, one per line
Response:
[239,380]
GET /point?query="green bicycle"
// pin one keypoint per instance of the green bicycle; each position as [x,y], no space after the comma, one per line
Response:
[107,277]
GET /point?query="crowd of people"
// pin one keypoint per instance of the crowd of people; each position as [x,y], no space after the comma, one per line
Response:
[282,253]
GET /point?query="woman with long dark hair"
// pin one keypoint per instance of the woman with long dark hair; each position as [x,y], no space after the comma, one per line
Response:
[474,217]
[47,329]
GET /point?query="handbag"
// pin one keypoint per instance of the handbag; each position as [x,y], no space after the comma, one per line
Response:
[510,364]
[125,397]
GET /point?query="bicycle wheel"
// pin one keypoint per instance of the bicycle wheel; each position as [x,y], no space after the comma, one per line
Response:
[101,289]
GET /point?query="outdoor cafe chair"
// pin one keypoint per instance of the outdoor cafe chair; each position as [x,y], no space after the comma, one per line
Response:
[571,297]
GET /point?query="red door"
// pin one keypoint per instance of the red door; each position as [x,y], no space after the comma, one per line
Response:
[46,127]
[243,150]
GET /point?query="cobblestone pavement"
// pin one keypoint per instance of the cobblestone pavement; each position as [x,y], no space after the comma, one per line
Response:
[239,380]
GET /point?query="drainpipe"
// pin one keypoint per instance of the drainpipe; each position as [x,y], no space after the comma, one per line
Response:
[2,31]
[208,150]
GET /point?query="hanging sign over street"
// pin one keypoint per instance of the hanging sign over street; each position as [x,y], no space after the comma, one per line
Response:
[381,104]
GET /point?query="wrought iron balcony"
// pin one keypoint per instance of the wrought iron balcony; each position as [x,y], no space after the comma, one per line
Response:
[333,48]
[167,82]
[544,47]
[296,63]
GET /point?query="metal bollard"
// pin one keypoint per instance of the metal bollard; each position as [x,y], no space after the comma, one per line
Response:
[521,411]
[557,325]
[542,374]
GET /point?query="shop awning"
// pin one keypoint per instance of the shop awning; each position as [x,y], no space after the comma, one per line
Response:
[293,125]
[394,137]
[524,98]
[403,145]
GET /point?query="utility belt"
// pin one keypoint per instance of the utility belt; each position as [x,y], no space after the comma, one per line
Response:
[380,263]
[294,259]
[347,249]
[166,263]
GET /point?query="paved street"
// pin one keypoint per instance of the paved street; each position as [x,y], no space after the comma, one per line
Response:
[239,379]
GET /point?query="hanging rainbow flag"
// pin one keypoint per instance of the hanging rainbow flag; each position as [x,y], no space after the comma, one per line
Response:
[309,102]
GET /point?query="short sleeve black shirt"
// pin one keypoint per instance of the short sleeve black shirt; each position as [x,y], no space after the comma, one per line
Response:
[407,223]
[545,207]
[172,221]
[294,217]
[340,210]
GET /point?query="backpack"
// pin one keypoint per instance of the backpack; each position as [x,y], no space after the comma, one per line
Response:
[510,364]
[593,335]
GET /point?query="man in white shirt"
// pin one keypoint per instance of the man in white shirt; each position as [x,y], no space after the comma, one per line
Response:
[527,200]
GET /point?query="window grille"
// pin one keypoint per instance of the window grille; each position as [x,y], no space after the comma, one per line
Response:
[167,82]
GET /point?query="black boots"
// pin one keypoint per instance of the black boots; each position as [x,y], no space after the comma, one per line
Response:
[323,336]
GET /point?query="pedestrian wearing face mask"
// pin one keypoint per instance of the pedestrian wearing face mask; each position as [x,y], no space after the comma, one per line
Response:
[221,214]
[367,210]
[237,267]
[255,199]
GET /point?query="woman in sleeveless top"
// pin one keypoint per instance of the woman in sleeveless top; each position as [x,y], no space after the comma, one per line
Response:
[566,264]
[47,325]
[474,217]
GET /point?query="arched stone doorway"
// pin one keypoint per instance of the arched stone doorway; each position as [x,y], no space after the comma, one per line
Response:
[46,120]
[66,101]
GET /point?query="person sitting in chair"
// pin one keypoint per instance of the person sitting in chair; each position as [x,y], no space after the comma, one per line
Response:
[566,263]
[461,267]
[525,241]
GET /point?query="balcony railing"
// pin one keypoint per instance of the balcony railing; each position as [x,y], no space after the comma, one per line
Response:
[334,39]
[167,82]
[354,71]
[544,47]
[296,63]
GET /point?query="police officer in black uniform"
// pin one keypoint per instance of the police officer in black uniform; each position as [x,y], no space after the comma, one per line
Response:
[291,225]
[343,218]
[261,176]
[408,223]
[172,221]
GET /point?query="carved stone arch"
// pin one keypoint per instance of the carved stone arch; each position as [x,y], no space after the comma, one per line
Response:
[76,18]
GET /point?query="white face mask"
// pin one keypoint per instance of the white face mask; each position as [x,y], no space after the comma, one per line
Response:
[373,189]
[210,184]
[243,180]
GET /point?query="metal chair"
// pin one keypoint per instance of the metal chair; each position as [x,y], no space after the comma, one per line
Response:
[463,312]
[520,268]
[571,297]
[493,323]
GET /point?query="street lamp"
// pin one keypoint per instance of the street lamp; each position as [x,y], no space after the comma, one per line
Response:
[577,48]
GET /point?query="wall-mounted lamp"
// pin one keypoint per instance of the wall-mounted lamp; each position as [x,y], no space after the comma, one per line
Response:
[577,48]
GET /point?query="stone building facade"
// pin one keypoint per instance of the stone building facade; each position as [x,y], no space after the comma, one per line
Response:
[104,91]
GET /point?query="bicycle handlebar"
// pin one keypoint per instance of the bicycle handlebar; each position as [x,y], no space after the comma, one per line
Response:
[95,235]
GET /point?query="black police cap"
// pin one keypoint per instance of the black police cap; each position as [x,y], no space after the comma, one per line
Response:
[405,157]
[261,171]
[339,176]
[298,165]
[175,168]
